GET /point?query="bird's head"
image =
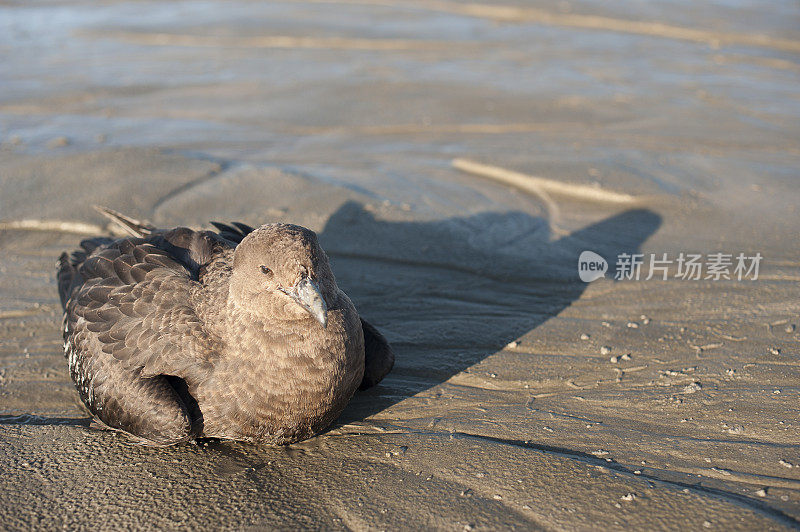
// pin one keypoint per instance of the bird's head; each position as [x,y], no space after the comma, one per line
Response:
[280,272]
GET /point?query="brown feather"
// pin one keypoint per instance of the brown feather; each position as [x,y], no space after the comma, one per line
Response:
[177,334]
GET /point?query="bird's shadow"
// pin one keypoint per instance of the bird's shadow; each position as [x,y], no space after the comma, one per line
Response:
[448,293]
[32,419]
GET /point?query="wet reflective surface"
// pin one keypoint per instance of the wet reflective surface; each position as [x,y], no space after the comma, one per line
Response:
[521,396]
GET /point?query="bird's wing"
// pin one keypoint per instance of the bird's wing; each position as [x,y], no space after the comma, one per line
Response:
[233,232]
[133,298]
[378,356]
[68,279]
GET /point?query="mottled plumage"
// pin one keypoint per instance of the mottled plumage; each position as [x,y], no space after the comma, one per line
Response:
[239,334]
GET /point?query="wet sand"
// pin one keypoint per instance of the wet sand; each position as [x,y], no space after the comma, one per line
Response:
[455,159]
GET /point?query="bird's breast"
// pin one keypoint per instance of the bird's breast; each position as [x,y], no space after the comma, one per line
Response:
[281,387]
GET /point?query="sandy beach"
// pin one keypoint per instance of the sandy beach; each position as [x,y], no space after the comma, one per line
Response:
[455,159]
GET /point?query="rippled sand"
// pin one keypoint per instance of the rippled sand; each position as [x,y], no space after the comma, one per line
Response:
[455,159]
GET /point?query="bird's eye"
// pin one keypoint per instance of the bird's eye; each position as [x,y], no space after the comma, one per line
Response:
[265,270]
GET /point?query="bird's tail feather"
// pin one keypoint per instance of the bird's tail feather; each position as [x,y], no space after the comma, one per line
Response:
[130,225]
[65,274]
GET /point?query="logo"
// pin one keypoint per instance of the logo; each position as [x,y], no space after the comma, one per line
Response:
[591,266]
[715,266]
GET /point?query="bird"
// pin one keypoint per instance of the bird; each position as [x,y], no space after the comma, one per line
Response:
[238,333]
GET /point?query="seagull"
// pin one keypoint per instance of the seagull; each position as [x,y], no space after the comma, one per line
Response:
[239,334]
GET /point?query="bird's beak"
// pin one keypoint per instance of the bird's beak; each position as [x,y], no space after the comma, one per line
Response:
[307,294]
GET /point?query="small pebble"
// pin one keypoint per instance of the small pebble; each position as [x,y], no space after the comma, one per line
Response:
[692,388]
[628,497]
[774,351]
[626,356]
[786,464]
[399,450]
[613,360]
[512,345]
[605,350]
[761,493]
[633,325]
[789,328]
[584,336]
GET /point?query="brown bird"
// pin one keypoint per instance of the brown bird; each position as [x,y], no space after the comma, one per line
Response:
[239,334]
